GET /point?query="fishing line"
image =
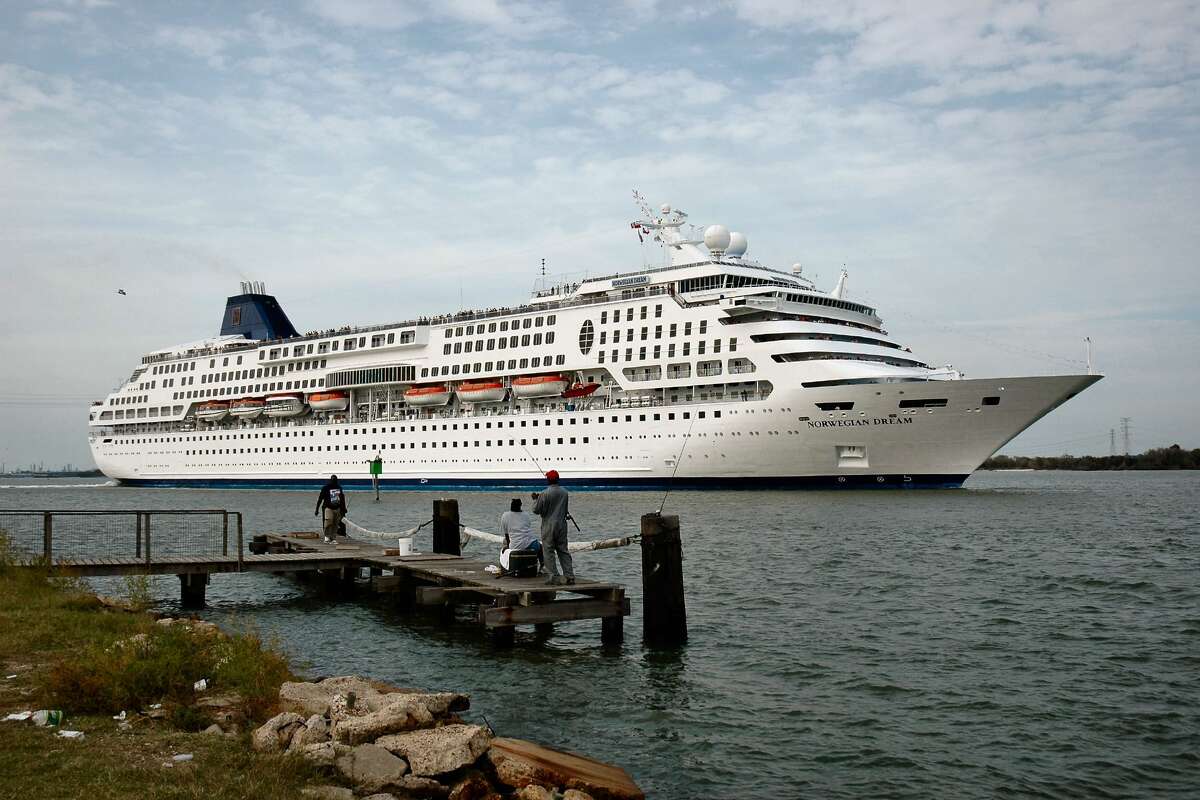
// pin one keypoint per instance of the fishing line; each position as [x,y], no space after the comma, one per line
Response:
[543,472]
[534,460]
[678,460]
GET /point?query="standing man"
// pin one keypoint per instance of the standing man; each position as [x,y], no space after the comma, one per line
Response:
[333,499]
[376,470]
[551,506]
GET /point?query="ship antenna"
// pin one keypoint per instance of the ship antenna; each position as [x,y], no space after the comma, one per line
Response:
[678,460]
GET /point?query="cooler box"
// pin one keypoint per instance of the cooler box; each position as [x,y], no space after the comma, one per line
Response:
[523,564]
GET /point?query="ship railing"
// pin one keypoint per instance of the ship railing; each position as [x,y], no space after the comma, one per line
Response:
[57,536]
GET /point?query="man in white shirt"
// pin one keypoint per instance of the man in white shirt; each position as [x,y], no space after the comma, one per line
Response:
[517,527]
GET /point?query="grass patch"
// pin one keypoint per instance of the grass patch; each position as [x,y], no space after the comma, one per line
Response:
[137,591]
[71,652]
[98,661]
[111,763]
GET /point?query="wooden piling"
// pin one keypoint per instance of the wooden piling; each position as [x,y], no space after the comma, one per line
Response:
[612,629]
[664,615]
[191,589]
[445,528]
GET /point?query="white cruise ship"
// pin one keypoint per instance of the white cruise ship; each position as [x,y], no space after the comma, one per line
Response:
[708,371]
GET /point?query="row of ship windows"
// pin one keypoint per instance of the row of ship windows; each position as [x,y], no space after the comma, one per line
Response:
[124,401]
[672,331]
[503,325]
[656,352]
[930,402]
[477,345]
[257,388]
[445,426]
[643,313]
[331,346]
[239,374]
[376,448]
[487,366]
[141,413]
[828,356]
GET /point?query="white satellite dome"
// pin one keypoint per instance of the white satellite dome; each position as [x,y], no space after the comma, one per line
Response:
[665,208]
[737,245]
[716,239]
[797,268]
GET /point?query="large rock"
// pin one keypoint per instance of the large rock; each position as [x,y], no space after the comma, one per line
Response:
[534,792]
[411,786]
[439,750]
[473,785]
[315,731]
[402,715]
[323,755]
[439,703]
[304,698]
[275,734]
[370,767]
[366,696]
[575,794]
[518,764]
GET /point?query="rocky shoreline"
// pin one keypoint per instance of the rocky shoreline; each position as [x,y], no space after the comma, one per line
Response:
[396,743]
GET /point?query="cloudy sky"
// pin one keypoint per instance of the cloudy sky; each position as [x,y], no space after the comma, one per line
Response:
[1000,179]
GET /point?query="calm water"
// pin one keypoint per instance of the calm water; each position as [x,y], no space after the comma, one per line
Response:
[1035,634]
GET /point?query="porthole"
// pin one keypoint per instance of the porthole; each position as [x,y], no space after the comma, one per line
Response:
[587,335]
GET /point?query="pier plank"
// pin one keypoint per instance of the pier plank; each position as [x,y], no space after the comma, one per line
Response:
[557,611]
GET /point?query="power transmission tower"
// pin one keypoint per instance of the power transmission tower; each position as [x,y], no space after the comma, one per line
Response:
[1125,432]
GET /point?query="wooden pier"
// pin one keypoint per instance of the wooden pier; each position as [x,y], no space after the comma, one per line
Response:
[444,579]
[414,581]
[418,580]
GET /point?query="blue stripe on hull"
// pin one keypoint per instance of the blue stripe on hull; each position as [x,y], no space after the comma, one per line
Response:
[586,484]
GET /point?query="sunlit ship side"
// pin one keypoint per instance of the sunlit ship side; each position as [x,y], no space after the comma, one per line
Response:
[768,381]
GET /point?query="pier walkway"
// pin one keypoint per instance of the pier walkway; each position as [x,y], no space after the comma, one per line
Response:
[194,545]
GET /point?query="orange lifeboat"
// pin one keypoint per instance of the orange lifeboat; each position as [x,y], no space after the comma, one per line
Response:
[212,411]
[581,390]
[481,392]
[437,395]
[539,386]
[247,407]
[329,401]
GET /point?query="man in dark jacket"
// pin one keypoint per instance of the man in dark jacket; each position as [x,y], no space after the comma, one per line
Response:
[333,500]
[551,506]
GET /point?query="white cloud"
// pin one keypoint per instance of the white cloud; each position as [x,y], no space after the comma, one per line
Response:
[47,16]
[971,162]
[204,43]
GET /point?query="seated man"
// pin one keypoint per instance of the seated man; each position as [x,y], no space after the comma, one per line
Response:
[517,527]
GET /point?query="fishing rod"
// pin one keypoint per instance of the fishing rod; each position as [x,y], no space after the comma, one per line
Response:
[678,460]
[543,472]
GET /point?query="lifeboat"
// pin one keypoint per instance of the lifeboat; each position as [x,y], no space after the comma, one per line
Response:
[437,395]
[247,407]
[539,386]
[581,390]
[285,405]
[214,411]
[328,401]
[482,392]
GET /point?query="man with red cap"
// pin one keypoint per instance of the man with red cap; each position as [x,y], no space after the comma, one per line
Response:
[551,506]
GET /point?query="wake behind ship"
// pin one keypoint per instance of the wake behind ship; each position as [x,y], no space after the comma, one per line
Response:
[710,371]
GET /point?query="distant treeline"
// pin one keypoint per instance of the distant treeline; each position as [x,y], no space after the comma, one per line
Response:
[1173,457]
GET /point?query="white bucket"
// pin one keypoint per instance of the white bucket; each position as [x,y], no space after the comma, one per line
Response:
[404,546]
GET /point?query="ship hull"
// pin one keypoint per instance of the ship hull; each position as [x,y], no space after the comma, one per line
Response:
[852,436]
